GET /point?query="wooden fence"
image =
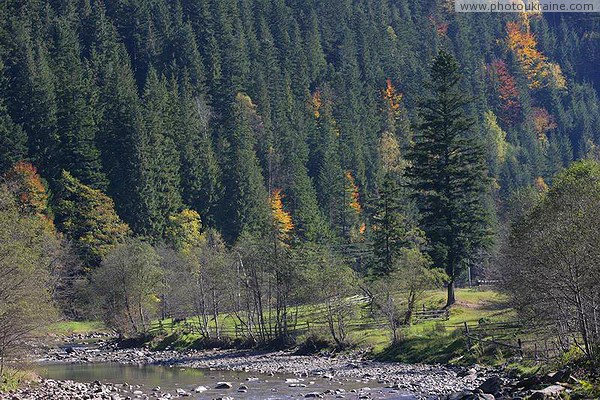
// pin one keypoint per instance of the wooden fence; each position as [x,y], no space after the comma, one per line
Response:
[235,331]
[425,314]
[525,342]
[511,336]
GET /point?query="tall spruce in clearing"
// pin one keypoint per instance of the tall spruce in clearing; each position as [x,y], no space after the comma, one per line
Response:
[448,174]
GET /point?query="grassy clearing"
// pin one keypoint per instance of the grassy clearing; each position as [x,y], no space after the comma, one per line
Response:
[432,341]
[75,327]
[442,341]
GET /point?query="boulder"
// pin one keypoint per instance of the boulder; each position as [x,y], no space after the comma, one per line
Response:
[492,385]
[529,383]
[470,395]
[223,385]
[563,376]
[314,395]
[550,392]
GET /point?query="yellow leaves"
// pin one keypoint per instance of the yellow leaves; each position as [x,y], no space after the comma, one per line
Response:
[556,76]
[497,135]
[316,103]
[540,185]
[282,219]
[539,71]
[184,230]
[28,187]
[352,191]
[389,151]
[391,33]
[391,96]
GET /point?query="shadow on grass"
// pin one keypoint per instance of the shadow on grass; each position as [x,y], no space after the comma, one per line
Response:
[430,349]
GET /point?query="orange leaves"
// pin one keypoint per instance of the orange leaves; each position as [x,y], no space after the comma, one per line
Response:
[543,122]
[282,219]
[395,121]
[27,185]
[352,190]
[391,96]
[539,71]
[354,226]
[507,92]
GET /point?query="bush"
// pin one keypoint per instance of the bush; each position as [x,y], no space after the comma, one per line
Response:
[314,343]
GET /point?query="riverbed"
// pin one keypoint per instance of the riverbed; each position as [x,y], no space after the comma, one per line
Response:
[103,371]
[203,383]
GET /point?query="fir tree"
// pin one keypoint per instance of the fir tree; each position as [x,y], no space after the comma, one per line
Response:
[246,199]
[448,174]
[76,116]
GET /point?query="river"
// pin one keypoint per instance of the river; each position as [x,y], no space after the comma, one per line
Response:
[146,378]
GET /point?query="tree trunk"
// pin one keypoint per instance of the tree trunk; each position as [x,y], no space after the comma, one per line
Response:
[451,298]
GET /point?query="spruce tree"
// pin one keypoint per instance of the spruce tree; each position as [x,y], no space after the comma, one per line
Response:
[200,173]
[389,226]
[448,174]
[246,198]
[13,140]
[76,116]
[159,169]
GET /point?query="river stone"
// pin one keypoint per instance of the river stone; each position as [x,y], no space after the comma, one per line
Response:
[529,383]
[492,385]
[314,395]
[223,385]
[183,393]
[200,389]
[551,392]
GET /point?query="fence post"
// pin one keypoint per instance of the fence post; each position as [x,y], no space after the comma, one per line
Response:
[467,336]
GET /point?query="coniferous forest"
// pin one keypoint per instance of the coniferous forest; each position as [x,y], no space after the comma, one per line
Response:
[283,152]
[213,106]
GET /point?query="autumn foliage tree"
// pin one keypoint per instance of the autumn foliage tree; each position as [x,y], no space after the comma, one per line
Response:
[282,220]
[543,123]
[539,71]
[351,222]
[88,218]
[509,110]
[29,188]
[184,230]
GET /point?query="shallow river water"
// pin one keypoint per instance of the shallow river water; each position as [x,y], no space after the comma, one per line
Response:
[172,378]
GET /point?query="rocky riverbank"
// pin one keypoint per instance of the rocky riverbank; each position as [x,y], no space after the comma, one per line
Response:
[423,381]
[68,390]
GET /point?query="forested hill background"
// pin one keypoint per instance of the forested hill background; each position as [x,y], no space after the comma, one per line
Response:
[228,107]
